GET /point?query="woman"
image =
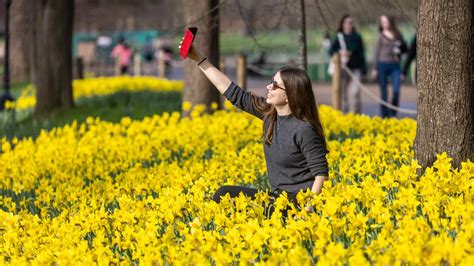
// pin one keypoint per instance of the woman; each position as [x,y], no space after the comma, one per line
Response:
[348,43]
[294,143]
[390,47]
[124,53]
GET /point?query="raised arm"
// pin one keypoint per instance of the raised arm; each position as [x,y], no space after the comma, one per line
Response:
[215,76]
[238,97]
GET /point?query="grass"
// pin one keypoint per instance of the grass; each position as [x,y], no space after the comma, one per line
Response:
[111,108]
[15,89]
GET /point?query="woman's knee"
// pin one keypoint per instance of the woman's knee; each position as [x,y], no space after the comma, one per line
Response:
[220,192]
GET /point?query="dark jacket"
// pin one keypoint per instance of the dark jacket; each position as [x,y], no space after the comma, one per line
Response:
[355,45]
[410,57]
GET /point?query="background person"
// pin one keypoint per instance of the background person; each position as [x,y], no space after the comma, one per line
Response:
[388,52]
[348,43]
[410,56]
[124,53]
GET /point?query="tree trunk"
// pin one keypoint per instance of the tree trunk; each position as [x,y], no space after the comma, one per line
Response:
[52,54]
[445,41]
[198,89]
[20,40]
[303,64]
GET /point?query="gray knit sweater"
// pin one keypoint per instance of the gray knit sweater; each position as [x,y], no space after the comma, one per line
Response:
[296,154]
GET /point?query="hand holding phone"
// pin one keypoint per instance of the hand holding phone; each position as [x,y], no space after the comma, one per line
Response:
[188,39]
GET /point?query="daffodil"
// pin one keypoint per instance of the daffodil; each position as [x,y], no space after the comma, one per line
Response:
[139,191]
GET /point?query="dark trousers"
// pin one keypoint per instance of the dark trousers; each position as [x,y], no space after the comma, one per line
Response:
[123,70]
[392,70]
[234,191]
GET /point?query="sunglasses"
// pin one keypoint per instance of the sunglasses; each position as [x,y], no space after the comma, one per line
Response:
[275,85]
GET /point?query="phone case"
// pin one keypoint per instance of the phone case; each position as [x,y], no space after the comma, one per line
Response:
[187,41]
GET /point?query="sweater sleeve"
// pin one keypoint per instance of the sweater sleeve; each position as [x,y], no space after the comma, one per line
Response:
[242,99]
[313,150]
[377,51]
[361,52]
[410,57]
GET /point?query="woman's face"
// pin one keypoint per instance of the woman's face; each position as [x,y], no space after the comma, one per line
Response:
[384,22]
[347,25]
[276,94]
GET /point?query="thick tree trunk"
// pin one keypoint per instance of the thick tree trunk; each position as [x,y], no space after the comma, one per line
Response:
[445,41]
[303,64]
[20,40]
[198,89]
[52,54]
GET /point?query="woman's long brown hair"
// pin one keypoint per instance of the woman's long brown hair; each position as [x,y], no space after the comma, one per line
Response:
[393,27]
[299,91]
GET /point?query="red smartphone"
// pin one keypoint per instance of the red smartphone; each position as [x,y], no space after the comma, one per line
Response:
[187,41]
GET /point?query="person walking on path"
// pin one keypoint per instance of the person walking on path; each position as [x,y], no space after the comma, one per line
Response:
[389,49]
[293,139]
[411,55]
[348,43]
[124,53]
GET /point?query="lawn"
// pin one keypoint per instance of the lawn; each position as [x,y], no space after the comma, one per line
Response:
[109,98]
[135,105]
